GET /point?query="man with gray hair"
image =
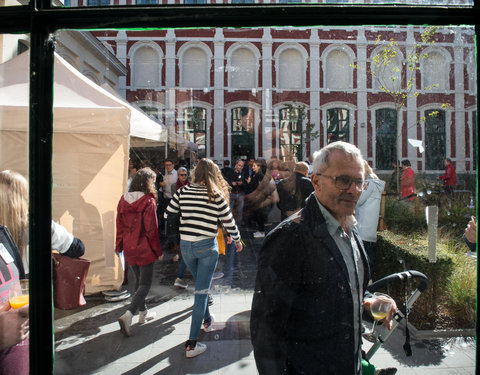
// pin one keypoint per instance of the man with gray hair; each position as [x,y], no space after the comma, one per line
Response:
[312,274]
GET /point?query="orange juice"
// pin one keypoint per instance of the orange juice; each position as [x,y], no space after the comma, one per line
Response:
[19,301]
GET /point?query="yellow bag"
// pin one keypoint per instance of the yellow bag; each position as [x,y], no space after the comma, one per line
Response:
[221,241]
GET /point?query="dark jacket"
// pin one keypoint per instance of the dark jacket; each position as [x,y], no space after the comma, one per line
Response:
[292,193]
[301,319]
[233,176]
[137,229]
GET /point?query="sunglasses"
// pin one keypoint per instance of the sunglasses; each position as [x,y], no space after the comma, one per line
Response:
[182,174]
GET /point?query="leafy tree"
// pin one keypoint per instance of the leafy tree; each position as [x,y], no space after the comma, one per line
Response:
[398,79]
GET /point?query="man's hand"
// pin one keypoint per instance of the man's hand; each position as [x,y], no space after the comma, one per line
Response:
[14,327]
[387,322]
[471,231]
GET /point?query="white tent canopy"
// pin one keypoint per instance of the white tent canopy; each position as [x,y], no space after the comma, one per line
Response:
[92,128]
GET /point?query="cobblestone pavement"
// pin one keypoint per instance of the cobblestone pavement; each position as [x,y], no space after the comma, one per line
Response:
[88,340]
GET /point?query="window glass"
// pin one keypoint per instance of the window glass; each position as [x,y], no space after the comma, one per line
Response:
[14,196]
[338,125]
[264,93]
[81,3]
[385,137]
[435,139]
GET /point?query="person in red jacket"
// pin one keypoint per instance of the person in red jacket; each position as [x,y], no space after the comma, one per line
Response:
[407,181]
[449,178]
[137,237]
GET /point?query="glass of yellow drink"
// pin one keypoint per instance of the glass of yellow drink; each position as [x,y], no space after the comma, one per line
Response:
[19,294]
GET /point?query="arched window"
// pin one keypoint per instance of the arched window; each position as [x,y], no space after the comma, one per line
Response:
[337,70]
[435,139]
[435,72]
[195,68]
[243,69]
[338,125]
[385,137]
[291,126]
[291,70]
[194,125]
[146,68]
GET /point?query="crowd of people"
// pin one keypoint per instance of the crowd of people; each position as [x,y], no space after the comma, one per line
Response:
[327,207]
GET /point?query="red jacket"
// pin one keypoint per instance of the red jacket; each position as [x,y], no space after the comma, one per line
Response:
[450,176]
[137,229]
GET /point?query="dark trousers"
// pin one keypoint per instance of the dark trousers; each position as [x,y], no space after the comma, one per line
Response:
[143,282]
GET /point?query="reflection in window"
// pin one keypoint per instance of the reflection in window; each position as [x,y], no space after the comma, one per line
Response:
[338,125]
[474,148]
[242,120]
[194,125]
[291,69]
[146,2]
[338,70]
[243,69]
[145,68]
[386,137]
[435,139]
[435,72]
[242,1]
[96,3]
[387,70]
[150,111]
[195,1]
[290,134]
[194,68]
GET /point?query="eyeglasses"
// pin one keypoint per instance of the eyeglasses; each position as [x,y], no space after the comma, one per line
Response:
[344,182]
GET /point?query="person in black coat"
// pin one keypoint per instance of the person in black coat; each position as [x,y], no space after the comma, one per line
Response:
[294,190]
[311,278]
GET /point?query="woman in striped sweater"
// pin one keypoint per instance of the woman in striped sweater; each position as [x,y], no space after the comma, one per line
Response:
[203,207]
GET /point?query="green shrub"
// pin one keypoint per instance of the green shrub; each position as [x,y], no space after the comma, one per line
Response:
[396,253]
[462,290]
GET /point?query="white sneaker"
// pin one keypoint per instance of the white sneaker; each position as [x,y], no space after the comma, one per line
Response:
[197,350]
[145,316]
[259,235]
[180,283]
[125,322]
[209,327]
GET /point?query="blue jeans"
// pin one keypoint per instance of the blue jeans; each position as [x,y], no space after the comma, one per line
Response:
[201,258]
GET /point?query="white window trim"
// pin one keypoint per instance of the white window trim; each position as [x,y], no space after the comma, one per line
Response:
[324,58]
[181,53]
[131,53]
[229,55]
[448,61]
[305,57]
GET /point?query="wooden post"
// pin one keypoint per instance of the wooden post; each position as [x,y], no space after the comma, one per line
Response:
[432,223]
[381,223]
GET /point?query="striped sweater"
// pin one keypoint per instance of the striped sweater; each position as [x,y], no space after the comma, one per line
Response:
[199,218]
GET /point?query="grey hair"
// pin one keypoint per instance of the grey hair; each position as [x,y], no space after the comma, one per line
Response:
[182,169]
[321,157]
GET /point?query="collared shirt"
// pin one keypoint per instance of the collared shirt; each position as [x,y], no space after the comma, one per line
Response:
[170,179]
[356,271]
